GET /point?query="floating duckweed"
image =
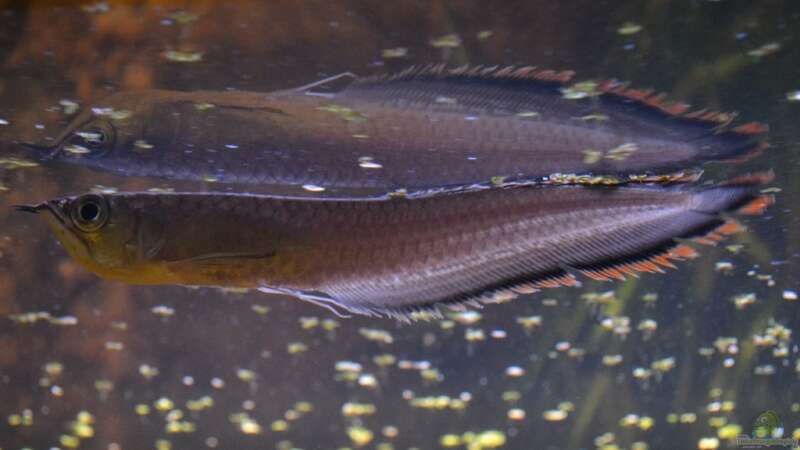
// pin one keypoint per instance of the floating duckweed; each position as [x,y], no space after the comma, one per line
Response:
[647,326]
[727,345]
[515,371]
[580,90]
[294,348]
[640,373]
[742,301]
[308,323]
[528,114]
[723,266]
[708,443]
[398,52]
[12,163]
[594,118]
[69,107]
[163,444]
[437,403]
[498,334]
[114,346]
[69,441]
[180,427]
[489,439]
[431,375]
[351,409]
[447,41]
[687,418]
[85,417]
[148,371]
[468,317]
[554,415]
[730,431]
[104,386]
[183,57]
[663,365]
[82,430]
[639,445]
[304,407]
[76,149]
[279,426]
[450,440]
[368,380]
[54,369]
[348,366]
[717,422]
[604,439]
[484,34]
[164,404]
[474,334]
[174,415]
[511,396]
[629,28]
[182,17]
[313,188]
[376,335]
[619,325]
[530,323]
[163,310]
[330,324]
[360,436]
[591,156]
[246,375]
[622,152]
[764,50]
[516,414]
[599,298]
[384,360]
[390,431]
[405,364]
[142,409]
[204,106]
[343,112]
[250,426]
[260,309]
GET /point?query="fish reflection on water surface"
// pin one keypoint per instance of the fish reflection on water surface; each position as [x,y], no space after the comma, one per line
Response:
[393,256]
[424,128]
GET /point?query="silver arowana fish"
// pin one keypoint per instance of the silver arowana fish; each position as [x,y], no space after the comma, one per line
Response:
[393,256]
[420,129]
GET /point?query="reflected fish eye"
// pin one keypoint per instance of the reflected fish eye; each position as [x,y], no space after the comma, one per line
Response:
[95,139]
[89,212]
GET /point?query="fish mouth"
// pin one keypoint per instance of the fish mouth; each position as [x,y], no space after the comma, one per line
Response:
[51,206]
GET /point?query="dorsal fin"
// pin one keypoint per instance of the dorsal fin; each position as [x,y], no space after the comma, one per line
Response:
[473,73]
[610,89]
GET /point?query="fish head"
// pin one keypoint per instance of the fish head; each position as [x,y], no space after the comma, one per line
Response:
[125,123]
[105,234]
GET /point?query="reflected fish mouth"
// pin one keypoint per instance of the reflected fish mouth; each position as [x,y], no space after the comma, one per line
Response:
[46,151]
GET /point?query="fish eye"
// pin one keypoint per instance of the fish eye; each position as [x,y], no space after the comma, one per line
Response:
[89,212]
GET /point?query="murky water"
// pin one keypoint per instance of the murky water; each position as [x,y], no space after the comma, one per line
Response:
[687,359]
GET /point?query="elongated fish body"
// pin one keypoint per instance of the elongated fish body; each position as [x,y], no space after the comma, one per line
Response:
[393,255]
[421,129]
